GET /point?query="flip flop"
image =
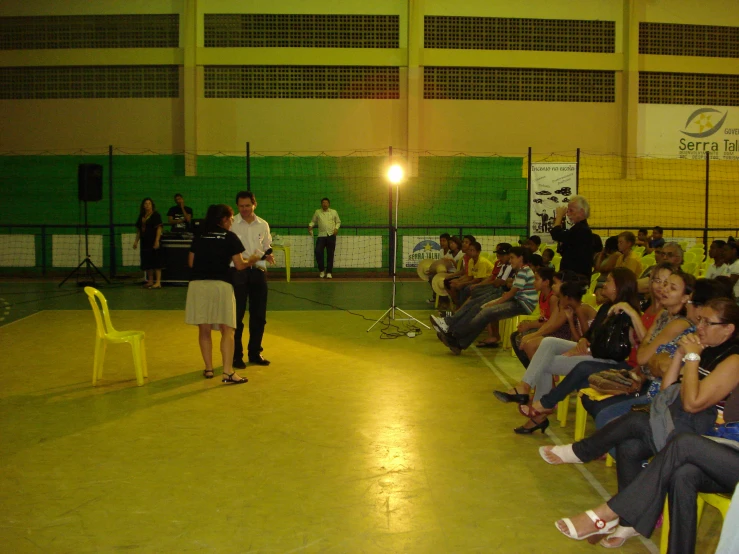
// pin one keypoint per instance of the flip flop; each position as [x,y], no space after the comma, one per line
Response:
[484,344]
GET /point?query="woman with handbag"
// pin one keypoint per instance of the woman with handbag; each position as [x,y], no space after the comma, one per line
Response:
[709,361]
[672,291]
[559,357]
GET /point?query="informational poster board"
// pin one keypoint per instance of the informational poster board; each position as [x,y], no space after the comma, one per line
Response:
[552,186]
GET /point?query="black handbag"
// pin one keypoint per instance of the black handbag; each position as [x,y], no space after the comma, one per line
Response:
[610,341]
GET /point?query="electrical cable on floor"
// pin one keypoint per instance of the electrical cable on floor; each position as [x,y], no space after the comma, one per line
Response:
[406,330]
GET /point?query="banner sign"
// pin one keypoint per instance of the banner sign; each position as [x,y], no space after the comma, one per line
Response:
[552,186]
[689,132]
[417,248]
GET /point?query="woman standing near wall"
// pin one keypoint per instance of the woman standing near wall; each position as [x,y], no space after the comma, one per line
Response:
[149,231]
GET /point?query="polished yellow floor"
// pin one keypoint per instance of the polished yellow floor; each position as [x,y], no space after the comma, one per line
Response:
[346,443]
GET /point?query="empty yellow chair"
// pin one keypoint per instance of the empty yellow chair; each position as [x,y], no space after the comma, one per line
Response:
[648,260]
[719,501]
[106,333]
[689,257]
[689,267]
[593,281]
[639,250]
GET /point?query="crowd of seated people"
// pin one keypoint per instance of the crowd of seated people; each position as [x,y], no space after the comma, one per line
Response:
[684,359]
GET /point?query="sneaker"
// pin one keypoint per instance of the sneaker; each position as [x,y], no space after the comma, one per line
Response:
[328,276]
[322,274]
[431,301]
[439,324]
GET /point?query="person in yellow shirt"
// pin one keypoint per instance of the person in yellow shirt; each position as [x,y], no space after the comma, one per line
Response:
[626,257]
[478,269]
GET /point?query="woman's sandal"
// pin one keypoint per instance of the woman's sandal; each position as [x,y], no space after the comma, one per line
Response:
[527,410]
[517,397]
[155,287]
[621,535]
[601,528]
[208,373]
[565,454]
[228,378]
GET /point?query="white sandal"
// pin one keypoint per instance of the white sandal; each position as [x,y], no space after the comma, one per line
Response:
[565,454]
[621,533]
[601,528]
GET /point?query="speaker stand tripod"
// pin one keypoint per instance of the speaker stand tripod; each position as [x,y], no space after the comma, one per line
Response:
[88,277]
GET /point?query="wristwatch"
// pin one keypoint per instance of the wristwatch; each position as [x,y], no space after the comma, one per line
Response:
[691,357]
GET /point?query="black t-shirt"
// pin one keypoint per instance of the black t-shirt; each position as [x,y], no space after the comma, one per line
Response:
[213,252]
[576,247]
[179,225]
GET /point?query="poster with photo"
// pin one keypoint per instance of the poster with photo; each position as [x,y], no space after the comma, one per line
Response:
[552,186]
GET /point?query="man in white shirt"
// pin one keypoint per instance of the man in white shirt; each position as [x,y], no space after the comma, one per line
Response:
[250,284]
[328,226]
[731,258]
[718,267]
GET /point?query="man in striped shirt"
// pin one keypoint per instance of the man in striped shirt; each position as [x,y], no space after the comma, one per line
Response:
[519,300]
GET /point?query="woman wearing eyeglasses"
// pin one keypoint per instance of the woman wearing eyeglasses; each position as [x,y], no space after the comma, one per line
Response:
[709,361]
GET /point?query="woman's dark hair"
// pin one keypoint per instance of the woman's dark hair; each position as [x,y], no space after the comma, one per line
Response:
[689,282]
[726,281]
[215,215]
[246,194]
[142,211]
[705,290]
[457,241]
[521,252]
[611,245]
[597,243]
[626,288]
[470,238]
[573,289]
[546,274]
[728,312]
[446,236]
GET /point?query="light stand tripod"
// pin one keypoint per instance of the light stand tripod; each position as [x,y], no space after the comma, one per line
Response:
[395,174]
[89,276]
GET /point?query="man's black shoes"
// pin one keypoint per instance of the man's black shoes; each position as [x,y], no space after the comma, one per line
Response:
[239,364]
[258,361]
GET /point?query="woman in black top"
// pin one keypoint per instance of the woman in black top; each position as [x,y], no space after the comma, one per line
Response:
[149,231]
[210,297]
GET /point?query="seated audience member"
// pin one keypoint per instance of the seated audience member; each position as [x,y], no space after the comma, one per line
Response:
[483,292]
[536,261]
[461,270]
[719,266]
[731,253]
[672,253]
[559,357]
[532,243]
[625,257]
[547,256]
[519,300]
[655,241]
[644,282]
[605,262]
[689,464]
[669,324]
[570,319]
[452,254]
[478,269]
[709,362]
[605,411]
[642,238]
[548,305]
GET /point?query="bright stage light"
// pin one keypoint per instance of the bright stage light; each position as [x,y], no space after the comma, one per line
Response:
[395,174]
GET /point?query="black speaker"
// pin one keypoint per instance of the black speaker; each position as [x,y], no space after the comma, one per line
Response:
[90,182]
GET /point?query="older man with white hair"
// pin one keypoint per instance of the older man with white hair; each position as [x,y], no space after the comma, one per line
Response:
[576,243]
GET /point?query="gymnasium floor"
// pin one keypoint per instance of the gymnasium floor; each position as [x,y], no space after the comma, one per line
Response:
[346,443]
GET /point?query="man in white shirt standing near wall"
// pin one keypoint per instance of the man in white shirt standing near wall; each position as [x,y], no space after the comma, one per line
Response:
[328,227]
[250,284]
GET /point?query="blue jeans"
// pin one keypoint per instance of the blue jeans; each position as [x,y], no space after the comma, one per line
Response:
[466,333]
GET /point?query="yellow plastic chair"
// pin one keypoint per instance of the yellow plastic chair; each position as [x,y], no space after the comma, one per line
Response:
[581,417]
[590,300]
[648,260]
[639,250]
[683,244]
[513,325]
[593,281]
[689,257]
[556,261]
[689,267]
[719,501]
[106,333]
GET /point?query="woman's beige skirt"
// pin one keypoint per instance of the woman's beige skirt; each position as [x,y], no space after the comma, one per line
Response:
[211,302]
